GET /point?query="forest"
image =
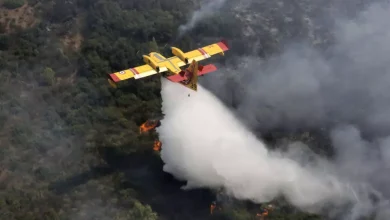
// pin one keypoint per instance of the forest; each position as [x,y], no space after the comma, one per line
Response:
[70,143]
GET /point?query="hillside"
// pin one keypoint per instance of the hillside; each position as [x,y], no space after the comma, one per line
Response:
[70,144]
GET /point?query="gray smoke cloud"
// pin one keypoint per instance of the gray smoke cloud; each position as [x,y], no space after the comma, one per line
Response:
[206,10]
[344,89]
[348,83]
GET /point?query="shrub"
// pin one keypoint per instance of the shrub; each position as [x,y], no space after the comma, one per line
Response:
[13,4]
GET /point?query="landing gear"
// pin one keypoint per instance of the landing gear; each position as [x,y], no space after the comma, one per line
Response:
[188,95]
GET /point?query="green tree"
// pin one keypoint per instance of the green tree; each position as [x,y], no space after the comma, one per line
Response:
[4,42]
[140,212]
[48,76]
[13,4]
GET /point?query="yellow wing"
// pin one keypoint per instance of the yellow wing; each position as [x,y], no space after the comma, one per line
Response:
[173,63]
[136,72]
[176,61]
[207,51]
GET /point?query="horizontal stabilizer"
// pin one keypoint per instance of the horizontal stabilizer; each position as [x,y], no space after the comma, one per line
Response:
[205,69]
[176,78]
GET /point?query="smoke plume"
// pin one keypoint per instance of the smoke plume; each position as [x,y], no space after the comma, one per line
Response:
[204,144]
[205,11]
[344,89]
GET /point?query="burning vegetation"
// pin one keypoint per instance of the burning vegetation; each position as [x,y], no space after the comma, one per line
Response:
[157,145]
[264,211]
[149,125]
[261,214]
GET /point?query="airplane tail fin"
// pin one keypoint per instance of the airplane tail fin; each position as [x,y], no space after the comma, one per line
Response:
[191,74]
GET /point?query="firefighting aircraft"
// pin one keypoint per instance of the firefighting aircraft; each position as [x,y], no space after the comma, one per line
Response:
[170,67]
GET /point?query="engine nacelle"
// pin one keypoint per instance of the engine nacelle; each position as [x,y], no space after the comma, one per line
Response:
[177,52]
[151,62]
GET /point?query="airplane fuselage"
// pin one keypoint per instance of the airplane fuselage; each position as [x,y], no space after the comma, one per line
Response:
[169,63]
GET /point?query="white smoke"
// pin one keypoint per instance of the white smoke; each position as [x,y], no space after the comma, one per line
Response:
[206,145]
[205,11]
[346,89]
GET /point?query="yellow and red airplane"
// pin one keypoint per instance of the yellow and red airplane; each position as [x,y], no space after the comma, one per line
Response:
[170,67]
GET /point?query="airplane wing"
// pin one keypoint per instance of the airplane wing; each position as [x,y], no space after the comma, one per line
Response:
[176,61]
[136,72]
[147,70]
[207,51]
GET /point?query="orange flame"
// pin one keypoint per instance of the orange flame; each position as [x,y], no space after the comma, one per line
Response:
[212,207]
[157,145]
[148,125]
[262,214]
